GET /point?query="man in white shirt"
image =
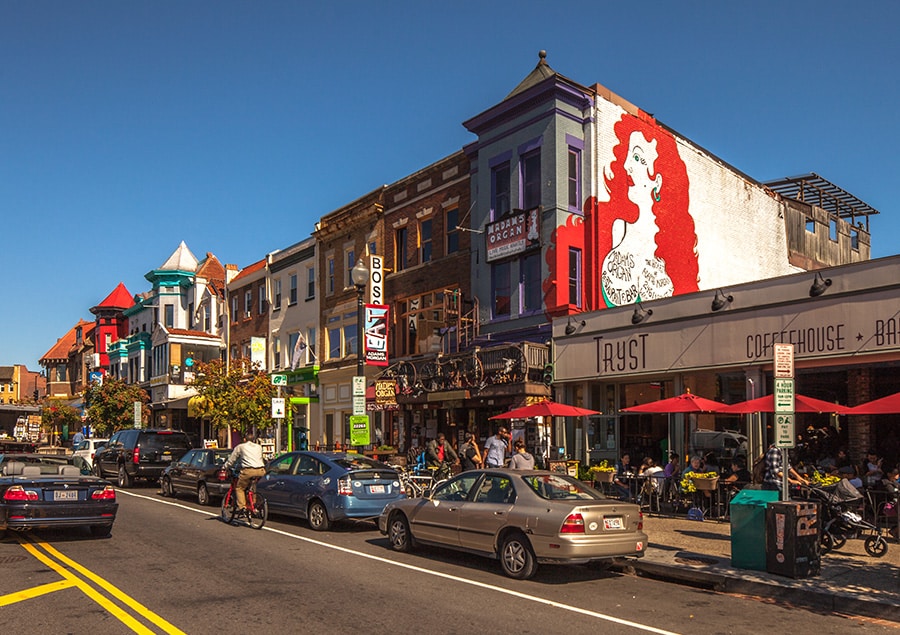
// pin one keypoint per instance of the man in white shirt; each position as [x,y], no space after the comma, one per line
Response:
[249,458]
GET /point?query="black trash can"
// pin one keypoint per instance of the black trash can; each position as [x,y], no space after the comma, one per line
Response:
[792,539]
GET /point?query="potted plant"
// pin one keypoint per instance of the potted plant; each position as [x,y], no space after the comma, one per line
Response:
[693,481]
[602,472]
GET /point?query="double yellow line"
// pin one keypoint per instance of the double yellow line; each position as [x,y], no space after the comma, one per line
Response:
[75,575]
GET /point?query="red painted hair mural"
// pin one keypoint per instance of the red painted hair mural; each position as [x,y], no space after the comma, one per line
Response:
[642,241]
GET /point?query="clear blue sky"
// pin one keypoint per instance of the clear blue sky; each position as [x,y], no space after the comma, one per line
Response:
[126,127]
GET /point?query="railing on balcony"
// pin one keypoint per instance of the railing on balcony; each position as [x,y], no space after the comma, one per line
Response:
[474,370]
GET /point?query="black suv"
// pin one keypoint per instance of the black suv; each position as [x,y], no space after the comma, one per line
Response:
[134,453]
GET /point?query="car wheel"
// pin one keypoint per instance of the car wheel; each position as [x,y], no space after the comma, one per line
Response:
[124,479]
[399,533]
[165,487]
[101,531]
[202,494]
[827,543]
[96,470]
[516,557]
[318,516]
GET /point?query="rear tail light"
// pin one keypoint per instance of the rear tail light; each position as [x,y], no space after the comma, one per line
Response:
[573,524]
[136,456]
[640,521]
[105,494]
[19,493]
[345,488]
[222,475]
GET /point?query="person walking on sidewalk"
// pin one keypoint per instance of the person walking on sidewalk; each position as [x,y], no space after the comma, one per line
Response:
[469,455]
[496,448]
[521,460]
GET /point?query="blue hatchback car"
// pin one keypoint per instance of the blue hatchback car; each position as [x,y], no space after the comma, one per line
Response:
[325,487]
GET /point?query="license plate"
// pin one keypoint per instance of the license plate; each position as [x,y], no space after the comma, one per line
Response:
[165,457]
[612,523]
[65,495]
[376,489]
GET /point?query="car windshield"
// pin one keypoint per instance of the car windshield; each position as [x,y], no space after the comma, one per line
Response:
[558,487]
[222,456]
[165,442]
[359,463]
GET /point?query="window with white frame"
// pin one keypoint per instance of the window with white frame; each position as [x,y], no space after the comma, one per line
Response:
[248,303]
[261,292]
[342,335]
[575,277]
[310,283]
[573,178]
[277,300]
[234,308]
[292,297]
[170,316]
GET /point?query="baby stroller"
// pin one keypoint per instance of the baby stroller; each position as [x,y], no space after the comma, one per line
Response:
[841,519]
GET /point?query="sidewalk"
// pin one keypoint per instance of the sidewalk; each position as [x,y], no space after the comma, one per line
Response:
[699,553]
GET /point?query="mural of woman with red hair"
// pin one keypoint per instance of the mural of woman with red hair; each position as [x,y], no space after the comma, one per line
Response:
[642,241]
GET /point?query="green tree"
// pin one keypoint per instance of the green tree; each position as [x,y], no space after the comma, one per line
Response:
[240,397]
[111,405]
[58,416]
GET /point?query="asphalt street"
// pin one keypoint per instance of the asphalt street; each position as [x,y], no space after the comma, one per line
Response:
[172,566]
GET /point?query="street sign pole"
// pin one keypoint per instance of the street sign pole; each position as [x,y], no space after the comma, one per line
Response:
[784,409]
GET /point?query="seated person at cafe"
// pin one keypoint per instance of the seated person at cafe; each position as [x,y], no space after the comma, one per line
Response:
[740,475]
[697,466]
[620,481]
[651,469]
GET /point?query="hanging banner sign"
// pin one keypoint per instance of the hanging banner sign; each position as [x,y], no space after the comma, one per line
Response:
[513,234]
[386,391]
[376,279]
[376,334]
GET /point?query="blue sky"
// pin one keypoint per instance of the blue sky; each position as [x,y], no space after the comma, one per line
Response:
[126,127]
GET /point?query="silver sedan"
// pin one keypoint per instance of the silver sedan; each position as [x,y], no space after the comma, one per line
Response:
[521,518]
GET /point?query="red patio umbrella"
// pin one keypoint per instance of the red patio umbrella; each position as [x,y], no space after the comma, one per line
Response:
[802,403]
[686,403]
[884,406]
[546,409]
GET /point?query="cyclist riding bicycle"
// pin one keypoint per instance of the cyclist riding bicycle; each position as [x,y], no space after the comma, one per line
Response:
[249,458]
[440,454]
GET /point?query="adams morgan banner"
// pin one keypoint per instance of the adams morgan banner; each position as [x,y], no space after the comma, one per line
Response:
[376,334]
[512,234]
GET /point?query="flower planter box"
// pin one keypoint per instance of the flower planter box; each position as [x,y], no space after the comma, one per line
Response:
[604,477]
[705,483]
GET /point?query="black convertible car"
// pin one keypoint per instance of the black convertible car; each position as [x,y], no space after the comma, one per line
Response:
[47,494]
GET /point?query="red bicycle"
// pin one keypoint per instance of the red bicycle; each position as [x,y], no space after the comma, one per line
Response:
[257,508]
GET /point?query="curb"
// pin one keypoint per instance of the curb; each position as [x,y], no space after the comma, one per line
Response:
[726,582]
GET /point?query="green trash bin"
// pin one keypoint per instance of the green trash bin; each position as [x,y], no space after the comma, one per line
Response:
[748,528]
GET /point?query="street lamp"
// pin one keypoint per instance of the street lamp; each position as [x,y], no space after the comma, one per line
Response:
[360,276]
